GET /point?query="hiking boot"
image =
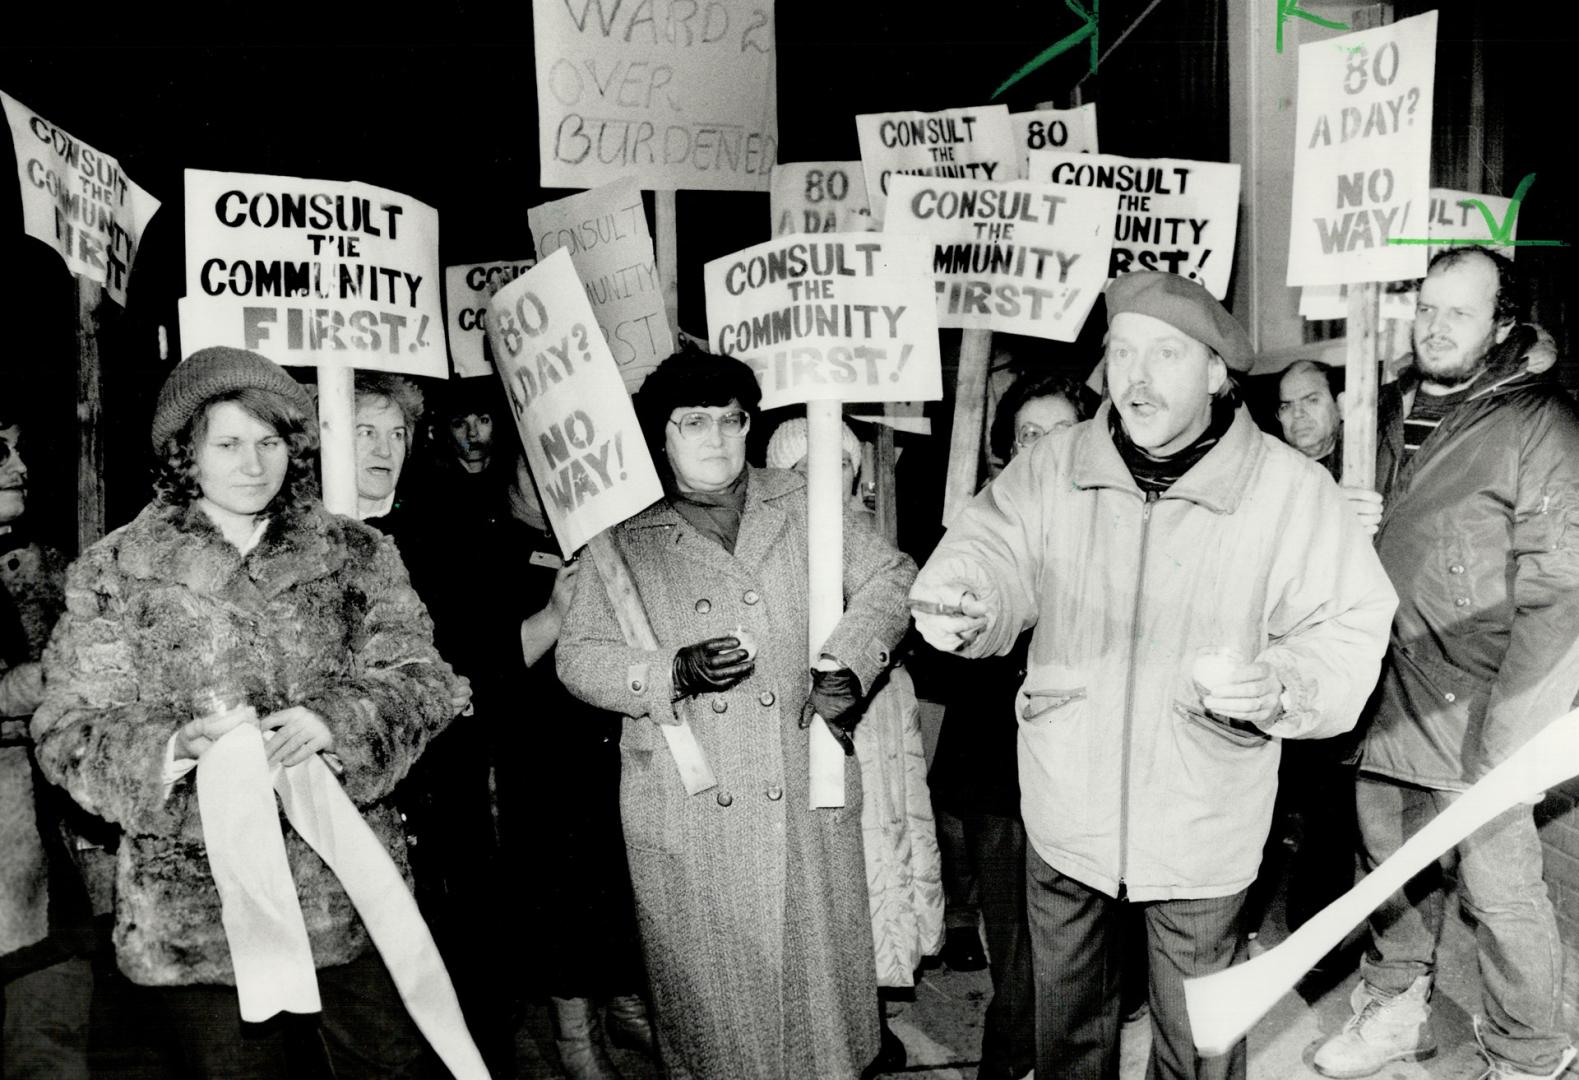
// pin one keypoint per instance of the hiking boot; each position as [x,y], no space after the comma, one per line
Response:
[1497,1069]
[1382,1029]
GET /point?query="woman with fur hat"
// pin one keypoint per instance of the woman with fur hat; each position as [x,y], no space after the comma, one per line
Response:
[236,586]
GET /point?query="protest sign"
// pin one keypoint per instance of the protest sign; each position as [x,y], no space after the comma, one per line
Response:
[1071,130]
[678,96]
[605,232]
[77,200]
[576,422]
[313,271]
[1022,257]
[1362,154]
[1174,215]
[846,316]
[466,296]
[973,144]
[819,196]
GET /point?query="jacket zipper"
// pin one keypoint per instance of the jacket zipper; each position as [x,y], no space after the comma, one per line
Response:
[1129,699]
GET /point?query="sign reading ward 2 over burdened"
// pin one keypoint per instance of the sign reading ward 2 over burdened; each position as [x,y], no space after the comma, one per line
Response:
[1362,155]
[467,290]
[1174,215]
[1020,257]
[837,316]
[819,197]
[577,426]
[78,201]
[675,95]
[313,271]
[965,144]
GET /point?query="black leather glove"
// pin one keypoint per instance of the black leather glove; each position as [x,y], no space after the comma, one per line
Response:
[715,664]
[836,697]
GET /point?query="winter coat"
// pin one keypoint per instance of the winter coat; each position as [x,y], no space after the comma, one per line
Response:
[1127,784]
[1480,534]
[904,872]
[753,908]
[318,614]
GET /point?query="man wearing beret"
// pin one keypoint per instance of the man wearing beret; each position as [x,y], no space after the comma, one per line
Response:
[1199,592]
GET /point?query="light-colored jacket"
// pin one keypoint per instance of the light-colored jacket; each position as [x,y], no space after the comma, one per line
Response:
[752,906]
[1127,785]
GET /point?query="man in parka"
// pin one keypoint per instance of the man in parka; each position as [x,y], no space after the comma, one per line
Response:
[1199,593]
[1478,466]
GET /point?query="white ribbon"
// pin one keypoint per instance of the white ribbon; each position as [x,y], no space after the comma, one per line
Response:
[262,914]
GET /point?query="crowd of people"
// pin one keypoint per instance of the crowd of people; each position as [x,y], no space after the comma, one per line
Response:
[1159,633]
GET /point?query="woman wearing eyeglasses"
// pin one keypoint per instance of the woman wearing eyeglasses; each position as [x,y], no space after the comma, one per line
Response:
[753,908]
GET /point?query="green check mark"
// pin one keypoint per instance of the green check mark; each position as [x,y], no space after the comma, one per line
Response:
[1502,233]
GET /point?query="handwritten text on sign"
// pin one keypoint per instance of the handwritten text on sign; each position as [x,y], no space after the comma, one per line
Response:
[1070,130]
[467,290]
[1021,257]
[1362,154]
[77,200]
[605,231]
[971,144]
[846,316]
[583,444]
[677,95]
[1174,215]
[818,197]
[308,271]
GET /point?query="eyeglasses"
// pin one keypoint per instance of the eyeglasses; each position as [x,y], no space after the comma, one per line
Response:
[1028,434]
[696,426]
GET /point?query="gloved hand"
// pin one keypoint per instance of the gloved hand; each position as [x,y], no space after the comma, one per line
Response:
[836,697]
[715,664]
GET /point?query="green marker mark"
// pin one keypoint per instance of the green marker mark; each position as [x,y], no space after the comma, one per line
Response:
[1291,8]
[1501,232]
[1063,45]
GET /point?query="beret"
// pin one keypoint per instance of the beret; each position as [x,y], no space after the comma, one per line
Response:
[207,374]
[1184,305]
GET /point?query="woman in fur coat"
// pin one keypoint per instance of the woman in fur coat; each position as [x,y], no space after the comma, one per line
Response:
[236,579]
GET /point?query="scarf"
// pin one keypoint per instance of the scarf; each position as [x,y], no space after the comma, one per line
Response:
[1153,474]
[714,513]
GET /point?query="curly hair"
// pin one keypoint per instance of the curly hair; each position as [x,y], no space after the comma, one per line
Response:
[693,377]
[397,390]
[175,478]
[1029,387]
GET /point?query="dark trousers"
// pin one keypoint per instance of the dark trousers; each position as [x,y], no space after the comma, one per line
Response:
[363,1033]
[1077,937]
[996,848]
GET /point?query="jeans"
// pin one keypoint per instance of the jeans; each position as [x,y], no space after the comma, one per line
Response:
[1499,870]
[1077,939]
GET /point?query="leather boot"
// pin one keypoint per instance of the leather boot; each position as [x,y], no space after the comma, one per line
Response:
[1382,1030]
[581,1052]
[626,1023]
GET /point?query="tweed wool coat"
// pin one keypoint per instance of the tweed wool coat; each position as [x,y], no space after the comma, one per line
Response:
[753,908]
[321,614]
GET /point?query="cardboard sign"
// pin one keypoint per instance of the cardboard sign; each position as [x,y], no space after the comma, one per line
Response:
[841,316]
[1073,131]
[970,144]
[605,231]
[77,200]
[466,296]
[819,197]
[1022,257]
[1174,215]
[583,445]
[310,271]
[1362,155]
[677,95]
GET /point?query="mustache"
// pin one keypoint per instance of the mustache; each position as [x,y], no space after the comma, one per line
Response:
[1142,393]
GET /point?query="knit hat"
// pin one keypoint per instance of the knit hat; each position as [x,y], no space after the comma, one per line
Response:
[210,372]
[1186,306]
[788,444]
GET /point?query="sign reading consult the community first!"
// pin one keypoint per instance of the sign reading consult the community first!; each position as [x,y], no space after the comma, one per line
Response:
[467,290]
[836,316]
[967,144]
[679,95]
[313,271]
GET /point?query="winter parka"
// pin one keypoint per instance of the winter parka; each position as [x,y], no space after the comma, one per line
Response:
[1126,783]
[320,614]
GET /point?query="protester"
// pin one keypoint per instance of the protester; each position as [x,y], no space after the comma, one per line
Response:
[1310,412]
[1197,597]
[753,908]
[236,583]
[1478,471]
[388,417]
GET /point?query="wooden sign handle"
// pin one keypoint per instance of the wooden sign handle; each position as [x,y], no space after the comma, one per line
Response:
[970,409]
[1359,388]
[667,251]
[90,433]
[825,569]
[336,437]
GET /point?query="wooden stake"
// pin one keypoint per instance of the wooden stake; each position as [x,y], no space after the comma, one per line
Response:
[90,434]
[1359,388]
[883,469]
[825,556]
[667,250]
[970,407]
[336,437]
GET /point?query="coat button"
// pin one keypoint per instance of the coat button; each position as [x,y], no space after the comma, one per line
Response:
[1462,601]
[720,705]
[703,606]
[635,686]
[775,793]
[1451,697]
[767,698]
[1455,569]
[724,798]
[751,596]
